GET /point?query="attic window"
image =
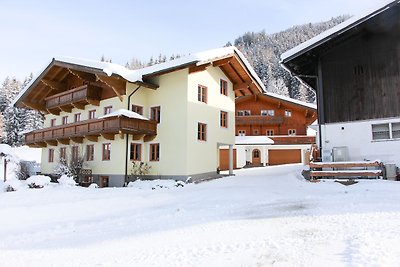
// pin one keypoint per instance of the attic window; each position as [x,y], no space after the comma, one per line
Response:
[358,70]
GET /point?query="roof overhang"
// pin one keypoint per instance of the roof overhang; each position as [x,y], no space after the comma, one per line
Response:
[301,61]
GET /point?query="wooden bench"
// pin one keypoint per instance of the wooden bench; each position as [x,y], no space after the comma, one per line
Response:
[364,169]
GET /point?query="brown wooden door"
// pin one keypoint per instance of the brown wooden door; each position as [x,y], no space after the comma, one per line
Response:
[284,156]
[103,181]
[224,159]
[256,157]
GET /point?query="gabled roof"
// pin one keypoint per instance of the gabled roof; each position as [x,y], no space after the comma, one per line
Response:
[229,59]
[337,30]
[286,99]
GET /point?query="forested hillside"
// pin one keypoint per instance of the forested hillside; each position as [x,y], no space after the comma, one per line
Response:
[263,52]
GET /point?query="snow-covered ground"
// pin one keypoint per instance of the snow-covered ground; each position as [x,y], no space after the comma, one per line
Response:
[261,217]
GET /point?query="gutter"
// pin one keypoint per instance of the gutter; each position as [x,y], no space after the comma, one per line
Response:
[127,140]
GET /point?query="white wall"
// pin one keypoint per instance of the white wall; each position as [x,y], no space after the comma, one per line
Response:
[357,136]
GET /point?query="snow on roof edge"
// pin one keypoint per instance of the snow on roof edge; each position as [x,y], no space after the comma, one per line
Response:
[126,113]
[292,100]
[338,29]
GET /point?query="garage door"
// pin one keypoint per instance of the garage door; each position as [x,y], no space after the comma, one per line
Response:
[284,156]
[224,159]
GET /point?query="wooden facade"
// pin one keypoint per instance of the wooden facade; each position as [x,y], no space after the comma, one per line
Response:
[356,73]
[286,116]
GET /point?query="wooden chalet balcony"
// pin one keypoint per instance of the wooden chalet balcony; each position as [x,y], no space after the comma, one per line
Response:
[91,130]
[259,120]
[77,97]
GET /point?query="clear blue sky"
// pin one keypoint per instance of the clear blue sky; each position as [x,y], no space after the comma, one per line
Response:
[33,32]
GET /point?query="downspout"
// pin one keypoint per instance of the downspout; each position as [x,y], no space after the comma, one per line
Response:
[127,140]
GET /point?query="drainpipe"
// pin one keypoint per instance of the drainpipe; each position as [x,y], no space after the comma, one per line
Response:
[127,140]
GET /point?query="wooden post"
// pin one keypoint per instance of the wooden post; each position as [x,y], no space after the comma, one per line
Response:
[5,169]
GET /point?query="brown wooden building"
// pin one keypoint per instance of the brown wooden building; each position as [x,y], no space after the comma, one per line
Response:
[355,70]
[273,115]
[270,130]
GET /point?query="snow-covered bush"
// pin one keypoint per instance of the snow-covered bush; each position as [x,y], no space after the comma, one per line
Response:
[66,180]
[38,181]
[12,185]
[140,168]
[93,185]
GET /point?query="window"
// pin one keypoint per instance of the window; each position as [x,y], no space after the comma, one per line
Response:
[137,109]
[255,132]
[385,131]
[223,85]
[51,155]
[64,120]
[89,152]
[292,132]
[242,132]
[202,93]
[77,117]
[107,110]
[52,122]
[224,119]
[63,153]
[202,131]
[154,152]
[74,153]
[136,151]
[155,114]
[288,113]
[92,114]
[268,112]
[270,132]
[243,113]
[106,151]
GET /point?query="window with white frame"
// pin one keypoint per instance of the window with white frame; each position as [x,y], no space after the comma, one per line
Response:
[288,113]
[242,133]
[270,132]
[243,112]
[268,112]
[292,132]
[386,131]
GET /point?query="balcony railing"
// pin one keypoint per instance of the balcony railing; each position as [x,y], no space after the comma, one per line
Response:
[84,94]
[95,127]
[259,120]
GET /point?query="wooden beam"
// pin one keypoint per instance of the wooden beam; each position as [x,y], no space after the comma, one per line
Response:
[63,141]
[92,138]
[93,102]
[53,111]
[34,106]
[198,68]
[108,136]
[66,108]
[137,136]
[41,144]
[238,93]
[52,142]
[79,105]
[221,62]
[84,76]
[149,138]
[78,140]
[58,86]
[241,86]
[114,84]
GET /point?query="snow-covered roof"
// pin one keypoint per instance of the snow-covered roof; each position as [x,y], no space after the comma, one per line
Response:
[125,113]
[292,100]
[137,75]
[253,140]
[381,6]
